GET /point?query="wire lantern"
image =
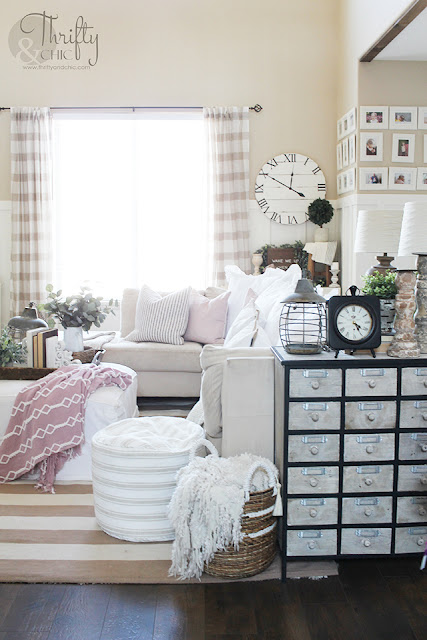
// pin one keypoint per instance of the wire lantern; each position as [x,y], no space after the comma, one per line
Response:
[302,324]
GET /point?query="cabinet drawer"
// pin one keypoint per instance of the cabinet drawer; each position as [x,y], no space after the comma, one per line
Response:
[370,415]
[412,509]
[413,446]
[312,542]
[414,381]
[410,540]
[312,383]
[313,480]
[312,511]
[371,382]
[366,509]
[412,477]
[313,447]
[413,414]
[368,446]
[314,415]
[366,541]
[368,478]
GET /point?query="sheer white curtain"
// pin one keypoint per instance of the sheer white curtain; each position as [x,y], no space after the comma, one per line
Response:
[227,132]
[31,173]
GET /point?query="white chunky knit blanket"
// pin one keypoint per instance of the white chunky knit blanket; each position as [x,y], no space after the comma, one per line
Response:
[207,506]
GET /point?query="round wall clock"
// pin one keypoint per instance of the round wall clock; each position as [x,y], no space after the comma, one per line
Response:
[354,322]
[286,185]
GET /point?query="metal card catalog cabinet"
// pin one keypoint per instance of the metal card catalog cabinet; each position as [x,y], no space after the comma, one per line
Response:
[351,448]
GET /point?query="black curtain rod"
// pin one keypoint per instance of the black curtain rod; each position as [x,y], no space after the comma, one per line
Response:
[257,108]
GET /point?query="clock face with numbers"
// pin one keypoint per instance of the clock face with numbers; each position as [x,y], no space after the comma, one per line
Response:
[287,185]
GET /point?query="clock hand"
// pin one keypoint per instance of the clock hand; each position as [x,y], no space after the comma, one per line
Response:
[356,325]
[285,185]
[292,177]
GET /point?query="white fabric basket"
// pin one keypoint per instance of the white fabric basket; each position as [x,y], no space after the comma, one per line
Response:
[134,467]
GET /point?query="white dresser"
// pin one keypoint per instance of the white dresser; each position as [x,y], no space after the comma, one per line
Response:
[351,448]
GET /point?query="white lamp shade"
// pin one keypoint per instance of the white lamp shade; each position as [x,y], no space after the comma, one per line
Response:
[413,235]
[378,231]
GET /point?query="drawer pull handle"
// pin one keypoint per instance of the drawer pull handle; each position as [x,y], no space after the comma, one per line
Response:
[372,384]
[313,513]
[425,383]
[423,480]
[420,542]
[369,449]
[315,417]
[368,511]
[368,481]
[314,450]
[425,414]
[314,482]
[423,447]
[311,544]
[366,543]
[315,384]
[422,511]
[371,417]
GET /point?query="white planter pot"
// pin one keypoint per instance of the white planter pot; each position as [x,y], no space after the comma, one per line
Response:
[73,339]
[321,234]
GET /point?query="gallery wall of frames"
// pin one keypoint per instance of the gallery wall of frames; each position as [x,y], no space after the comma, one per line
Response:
[388,150]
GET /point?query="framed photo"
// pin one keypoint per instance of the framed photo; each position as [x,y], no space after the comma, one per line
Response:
[339,184]
[403,147]
[371,146]
[403,117]
[339,129]
[339,156]
[422,178]
[351,118]
[352,149]
[373,178]
[351,179]
[345,125]
[402,178]
[345,152]
[344,182]
[422,117]
[373,117]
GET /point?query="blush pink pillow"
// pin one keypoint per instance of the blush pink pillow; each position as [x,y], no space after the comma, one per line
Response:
[206,322]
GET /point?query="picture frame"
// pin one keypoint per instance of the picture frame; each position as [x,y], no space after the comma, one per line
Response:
[345,152]
[402,178]
[371,146]
[345,125]
[351,119]
[344,182]
[339,129]
[352,149]
[422,117]
[351,179]
[422,178]
[403,118]
[373,179]
[375,117]
[281,257]
[339,156]
[403,147]
[339,184]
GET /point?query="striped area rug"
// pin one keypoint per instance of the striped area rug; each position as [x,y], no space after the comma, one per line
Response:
[55,538]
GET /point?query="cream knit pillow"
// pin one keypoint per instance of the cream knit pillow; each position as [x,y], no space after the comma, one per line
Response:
[161,318]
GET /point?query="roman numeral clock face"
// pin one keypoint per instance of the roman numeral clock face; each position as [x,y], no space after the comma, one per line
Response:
[286,185]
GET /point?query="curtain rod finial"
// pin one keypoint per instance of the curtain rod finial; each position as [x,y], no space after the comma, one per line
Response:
[256,108]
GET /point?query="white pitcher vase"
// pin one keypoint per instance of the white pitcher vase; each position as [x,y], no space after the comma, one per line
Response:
[73,339]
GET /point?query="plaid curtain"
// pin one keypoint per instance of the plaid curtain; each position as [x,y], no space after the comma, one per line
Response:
[31,157]
[227,133]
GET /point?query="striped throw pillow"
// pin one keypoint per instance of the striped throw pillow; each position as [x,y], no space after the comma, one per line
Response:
[161,318]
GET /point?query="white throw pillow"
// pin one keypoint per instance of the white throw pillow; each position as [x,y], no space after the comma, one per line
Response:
[243,329]
[161,318]
[239,283]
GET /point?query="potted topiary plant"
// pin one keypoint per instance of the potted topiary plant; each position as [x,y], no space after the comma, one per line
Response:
[320,212]
[383,285]
[11,352]
[76,313]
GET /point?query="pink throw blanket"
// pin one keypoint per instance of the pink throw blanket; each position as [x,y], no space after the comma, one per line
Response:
[46,426]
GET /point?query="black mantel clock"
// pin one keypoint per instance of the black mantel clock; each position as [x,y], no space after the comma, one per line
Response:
[354,322]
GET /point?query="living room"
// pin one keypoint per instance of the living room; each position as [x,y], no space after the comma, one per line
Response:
[301,62]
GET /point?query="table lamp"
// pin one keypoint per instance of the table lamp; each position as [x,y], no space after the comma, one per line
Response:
[413,240]
[378,231]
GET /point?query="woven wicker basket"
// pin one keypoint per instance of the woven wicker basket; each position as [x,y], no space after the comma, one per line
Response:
[259,545]
[85,356]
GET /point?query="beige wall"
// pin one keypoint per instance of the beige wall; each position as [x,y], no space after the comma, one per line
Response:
[280,53]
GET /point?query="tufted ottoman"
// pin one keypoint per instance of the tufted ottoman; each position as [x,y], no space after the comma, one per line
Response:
[134,466]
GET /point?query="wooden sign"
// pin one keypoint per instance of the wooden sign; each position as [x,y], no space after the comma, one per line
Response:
[281,258]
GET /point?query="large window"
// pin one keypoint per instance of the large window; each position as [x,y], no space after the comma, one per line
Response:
[129,201]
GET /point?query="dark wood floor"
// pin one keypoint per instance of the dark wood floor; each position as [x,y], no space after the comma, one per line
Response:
[369,600]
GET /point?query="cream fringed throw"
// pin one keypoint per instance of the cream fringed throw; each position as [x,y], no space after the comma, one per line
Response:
[207,506]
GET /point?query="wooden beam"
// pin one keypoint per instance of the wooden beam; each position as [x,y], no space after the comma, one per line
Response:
[401,23]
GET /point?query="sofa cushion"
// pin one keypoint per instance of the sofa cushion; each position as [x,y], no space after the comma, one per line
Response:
[161,318]
[207,318]
[155,356]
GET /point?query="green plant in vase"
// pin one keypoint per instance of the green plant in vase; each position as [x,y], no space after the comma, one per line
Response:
[383,285]
[320,212]
[11,352]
